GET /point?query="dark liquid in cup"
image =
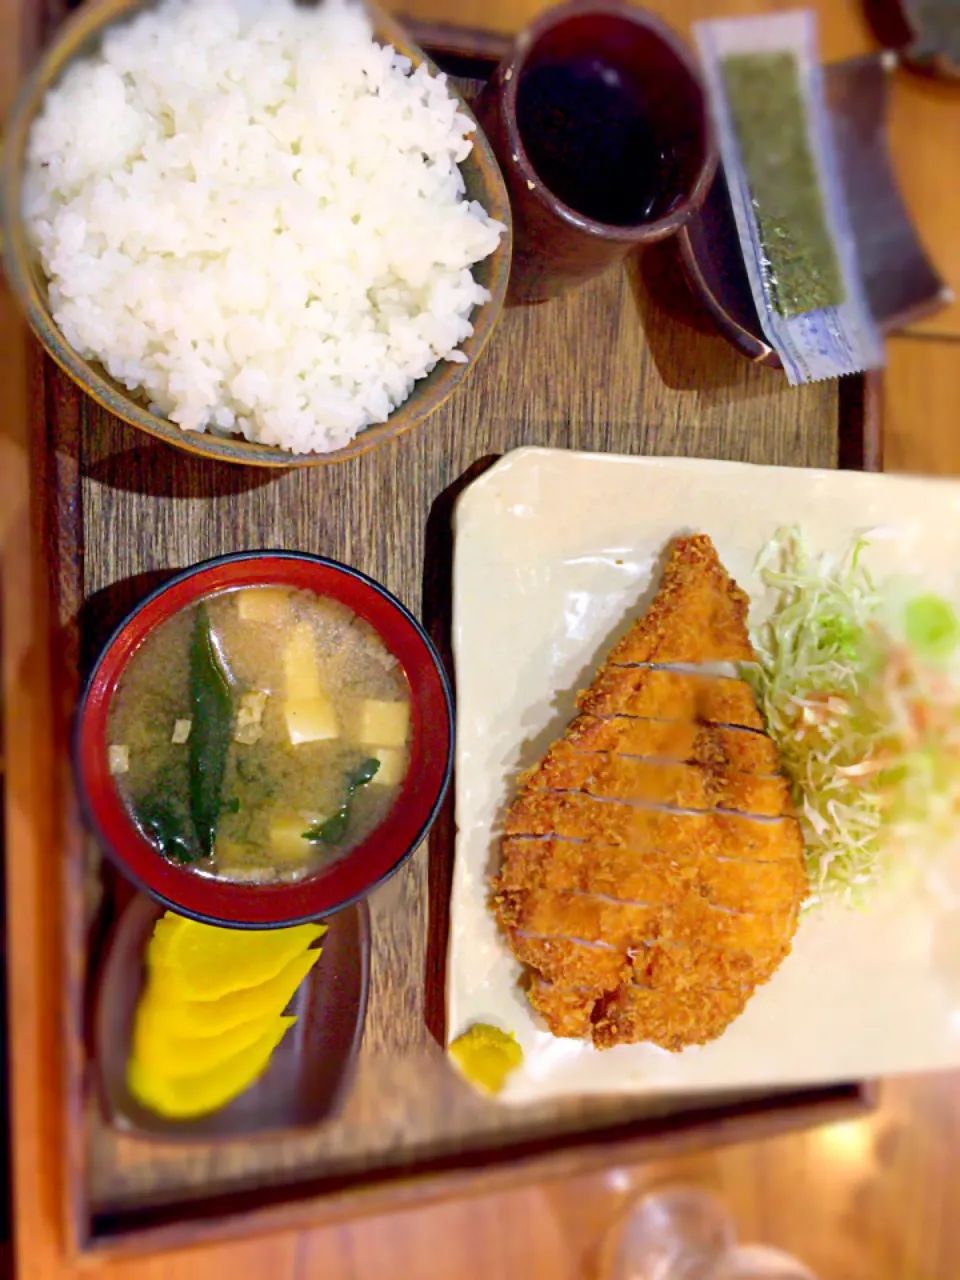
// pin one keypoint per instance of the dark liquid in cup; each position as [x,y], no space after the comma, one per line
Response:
[588,135]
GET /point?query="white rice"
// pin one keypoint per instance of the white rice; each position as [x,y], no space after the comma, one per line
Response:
[253,214]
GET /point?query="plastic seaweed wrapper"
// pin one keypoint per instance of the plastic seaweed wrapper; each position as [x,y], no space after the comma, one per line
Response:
[765,86]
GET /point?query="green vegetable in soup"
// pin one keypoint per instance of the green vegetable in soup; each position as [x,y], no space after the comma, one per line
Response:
[236,805]
[211,705]
[334,829]
[167,825]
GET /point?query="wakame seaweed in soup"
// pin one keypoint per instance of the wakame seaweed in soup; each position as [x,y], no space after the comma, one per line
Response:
[260,733]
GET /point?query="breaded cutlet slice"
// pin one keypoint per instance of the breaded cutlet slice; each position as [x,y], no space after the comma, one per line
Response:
[652,867]
[651,876]
[686,741]
[693,966]
[683,786]
[662,694]
[574,816]
[558,913]
[567,1011]
[572,963]
[699,613]
[665,1018]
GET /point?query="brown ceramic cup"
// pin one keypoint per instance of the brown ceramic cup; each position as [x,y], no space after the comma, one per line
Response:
[599,120]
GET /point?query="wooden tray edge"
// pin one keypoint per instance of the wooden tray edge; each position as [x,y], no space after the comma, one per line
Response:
[233,1216]
[55,480]
[59,460]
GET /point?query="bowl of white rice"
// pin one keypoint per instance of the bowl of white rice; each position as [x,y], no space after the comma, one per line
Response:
[266,232]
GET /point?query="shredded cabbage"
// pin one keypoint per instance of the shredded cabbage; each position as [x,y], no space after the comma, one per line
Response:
[860,693]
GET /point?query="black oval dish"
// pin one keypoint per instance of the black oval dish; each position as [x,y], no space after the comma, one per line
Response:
[310,1071]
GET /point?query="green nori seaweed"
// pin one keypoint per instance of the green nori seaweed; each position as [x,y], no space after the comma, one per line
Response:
[167,825]
[766,103]
[211,706]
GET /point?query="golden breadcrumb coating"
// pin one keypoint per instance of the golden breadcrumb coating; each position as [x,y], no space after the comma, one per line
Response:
[652,869]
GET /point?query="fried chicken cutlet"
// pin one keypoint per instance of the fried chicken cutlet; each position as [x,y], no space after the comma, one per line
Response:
[652,868]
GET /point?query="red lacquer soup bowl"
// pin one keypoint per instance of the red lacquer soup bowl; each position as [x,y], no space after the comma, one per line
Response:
[354,874]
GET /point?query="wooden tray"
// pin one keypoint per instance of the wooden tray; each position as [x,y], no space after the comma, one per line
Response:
[607,369]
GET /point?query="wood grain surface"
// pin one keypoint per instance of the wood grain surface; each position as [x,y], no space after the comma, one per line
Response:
[922,404]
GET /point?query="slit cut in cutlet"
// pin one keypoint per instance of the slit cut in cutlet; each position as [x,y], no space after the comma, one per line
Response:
[712,833]
[671,695]
[612,717]
[594,970]
[513,903]
[544,837]
[574,962]
[678,741]
[659,806]
[567,942]
[543,985]
[624,926]
[634,951]
[661,761]
[590,895]
[705,670]
[671,786]
[654,876]
[719,667]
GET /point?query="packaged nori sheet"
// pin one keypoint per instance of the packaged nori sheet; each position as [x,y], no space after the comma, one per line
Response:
[766,104]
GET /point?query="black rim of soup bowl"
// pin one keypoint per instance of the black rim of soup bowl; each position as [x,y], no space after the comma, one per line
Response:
[87,804]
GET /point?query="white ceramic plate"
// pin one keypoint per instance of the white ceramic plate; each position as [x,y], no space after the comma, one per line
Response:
[553,551]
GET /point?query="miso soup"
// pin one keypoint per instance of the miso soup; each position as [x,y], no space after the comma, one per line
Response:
[260,733]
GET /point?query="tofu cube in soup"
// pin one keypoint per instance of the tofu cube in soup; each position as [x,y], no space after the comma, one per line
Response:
[265,604]
[235,862]
[313,720]
[300,667]
[299,698]
[393,766]
[309,712]
[181,732]
[248,727]
[287,843]
[383,724]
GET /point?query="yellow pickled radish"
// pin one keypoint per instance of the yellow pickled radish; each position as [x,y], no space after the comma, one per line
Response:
[175,1056]
[164,936]
[194,961]
[201,1019]
[197,1095]
[486,1056]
